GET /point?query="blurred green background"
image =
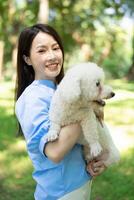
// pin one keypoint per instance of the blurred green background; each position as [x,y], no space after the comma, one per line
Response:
[100,31]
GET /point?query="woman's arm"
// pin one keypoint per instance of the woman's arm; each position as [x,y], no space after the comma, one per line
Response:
[67,139]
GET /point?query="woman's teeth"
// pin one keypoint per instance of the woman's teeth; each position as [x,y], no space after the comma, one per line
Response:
[52,66]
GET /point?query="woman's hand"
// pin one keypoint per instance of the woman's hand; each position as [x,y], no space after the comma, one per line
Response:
[95,167]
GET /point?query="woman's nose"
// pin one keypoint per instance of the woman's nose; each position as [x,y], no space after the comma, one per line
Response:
[51,55]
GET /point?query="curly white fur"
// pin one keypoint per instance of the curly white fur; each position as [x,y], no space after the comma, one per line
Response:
[73,102]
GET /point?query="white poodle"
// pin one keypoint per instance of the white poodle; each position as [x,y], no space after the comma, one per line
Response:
[74,101]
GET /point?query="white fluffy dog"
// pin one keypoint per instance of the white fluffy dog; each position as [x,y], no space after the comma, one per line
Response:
[74,101]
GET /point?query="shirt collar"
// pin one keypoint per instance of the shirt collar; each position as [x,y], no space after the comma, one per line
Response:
[48,83]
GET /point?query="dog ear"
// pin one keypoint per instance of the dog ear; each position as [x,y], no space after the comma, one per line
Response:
[70,90]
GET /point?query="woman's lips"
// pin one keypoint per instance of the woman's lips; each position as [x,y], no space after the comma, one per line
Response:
[52,66]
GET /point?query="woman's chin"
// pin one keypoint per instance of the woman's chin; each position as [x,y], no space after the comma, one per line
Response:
[53,74]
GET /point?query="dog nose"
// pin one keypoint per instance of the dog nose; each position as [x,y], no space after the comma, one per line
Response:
[112,94]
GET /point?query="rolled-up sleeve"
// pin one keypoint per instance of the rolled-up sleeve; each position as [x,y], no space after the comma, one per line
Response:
[33,116]
[42,145]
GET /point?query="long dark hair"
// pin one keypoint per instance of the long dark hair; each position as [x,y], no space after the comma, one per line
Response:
[25,73]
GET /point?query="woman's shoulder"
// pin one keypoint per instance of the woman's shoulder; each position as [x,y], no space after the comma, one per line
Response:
[37,91]
[35,94]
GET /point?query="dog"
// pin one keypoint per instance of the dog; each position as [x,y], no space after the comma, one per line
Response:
[73,101]
[110,153]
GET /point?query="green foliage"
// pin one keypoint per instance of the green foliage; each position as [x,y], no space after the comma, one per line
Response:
[14,16]
[95,24]
[116,66]
[129,6]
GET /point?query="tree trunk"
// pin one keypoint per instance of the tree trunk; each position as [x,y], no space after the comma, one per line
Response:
[130,75]
[1,57]
[43,11]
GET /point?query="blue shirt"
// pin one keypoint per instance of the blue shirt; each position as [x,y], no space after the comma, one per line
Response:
[54,180]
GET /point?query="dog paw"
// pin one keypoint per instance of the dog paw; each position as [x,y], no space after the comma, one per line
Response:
[51,136]
[95,149]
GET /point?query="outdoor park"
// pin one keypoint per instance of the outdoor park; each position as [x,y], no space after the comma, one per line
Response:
[97,31]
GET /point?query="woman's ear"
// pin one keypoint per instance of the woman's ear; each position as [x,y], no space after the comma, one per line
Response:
[27,60]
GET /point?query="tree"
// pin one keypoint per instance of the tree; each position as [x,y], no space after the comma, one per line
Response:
[1,57]
[91,31]
[20,14]
[43,13]
[130,6]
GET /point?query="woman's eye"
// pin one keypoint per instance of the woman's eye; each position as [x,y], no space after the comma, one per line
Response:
[97,83]
[41,51]
[56,48]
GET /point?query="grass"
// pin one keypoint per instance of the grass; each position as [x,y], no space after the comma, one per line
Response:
[15,167]
[116,183]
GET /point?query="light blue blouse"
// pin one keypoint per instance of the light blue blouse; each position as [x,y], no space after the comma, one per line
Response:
[54,180]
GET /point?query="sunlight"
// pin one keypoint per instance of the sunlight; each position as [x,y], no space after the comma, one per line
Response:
[19,146]
[127,24]
[120,119]
[121,138]
[21,167]
[122,95]
[15,157]
[2,157]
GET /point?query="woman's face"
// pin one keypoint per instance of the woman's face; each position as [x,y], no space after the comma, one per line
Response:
[45,56]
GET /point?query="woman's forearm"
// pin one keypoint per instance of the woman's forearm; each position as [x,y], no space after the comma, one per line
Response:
[67,139]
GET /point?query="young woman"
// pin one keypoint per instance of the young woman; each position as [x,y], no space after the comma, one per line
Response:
[59,168]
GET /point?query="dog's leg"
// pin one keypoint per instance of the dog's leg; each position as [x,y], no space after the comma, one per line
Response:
[113,155]
[86,152]
[90,132]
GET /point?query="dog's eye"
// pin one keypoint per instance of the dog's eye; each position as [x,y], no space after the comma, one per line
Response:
[97,83]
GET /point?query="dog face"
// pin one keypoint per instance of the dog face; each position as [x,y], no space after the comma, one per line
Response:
[84,81]
[91,89]
[91,82]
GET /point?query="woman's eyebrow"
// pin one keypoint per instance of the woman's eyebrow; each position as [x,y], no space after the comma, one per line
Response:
[55,45]
[45,46]
[41,46]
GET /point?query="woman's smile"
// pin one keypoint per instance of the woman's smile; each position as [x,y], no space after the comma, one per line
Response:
[52,67]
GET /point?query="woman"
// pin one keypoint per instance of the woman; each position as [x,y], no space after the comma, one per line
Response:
[59,168]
